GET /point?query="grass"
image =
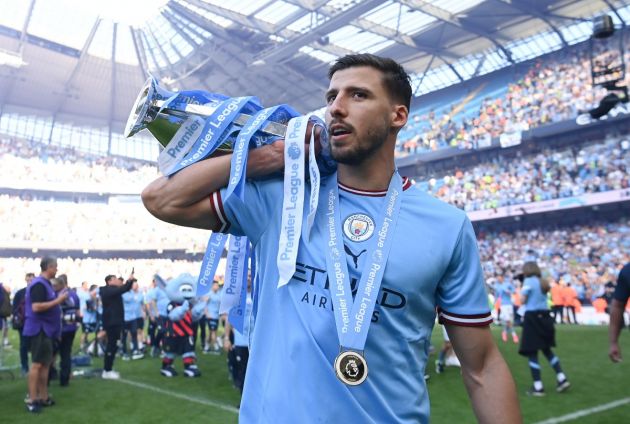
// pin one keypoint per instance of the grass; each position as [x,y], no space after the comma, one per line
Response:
[582,351]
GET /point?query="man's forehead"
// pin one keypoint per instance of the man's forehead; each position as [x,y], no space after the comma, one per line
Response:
[359,76]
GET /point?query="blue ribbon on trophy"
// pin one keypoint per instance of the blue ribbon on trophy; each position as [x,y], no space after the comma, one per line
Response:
[194,125]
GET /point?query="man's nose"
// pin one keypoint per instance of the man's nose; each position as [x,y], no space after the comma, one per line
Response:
[337,107]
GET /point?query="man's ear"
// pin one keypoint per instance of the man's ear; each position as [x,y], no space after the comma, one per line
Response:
[399,116]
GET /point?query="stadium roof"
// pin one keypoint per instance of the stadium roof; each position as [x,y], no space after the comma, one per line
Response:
[72,58]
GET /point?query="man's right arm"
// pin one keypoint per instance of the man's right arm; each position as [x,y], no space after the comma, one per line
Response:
[183,199]
[39,302]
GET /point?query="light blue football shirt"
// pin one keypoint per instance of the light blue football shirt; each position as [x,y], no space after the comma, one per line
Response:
[433,263]
[132,305]
[504,292]
[160,298]
[536,299]
[214,302]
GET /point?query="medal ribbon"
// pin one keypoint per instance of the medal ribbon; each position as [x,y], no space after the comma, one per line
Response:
[242,144]
[214,131]
[235,284]
[353,317]
[210,263]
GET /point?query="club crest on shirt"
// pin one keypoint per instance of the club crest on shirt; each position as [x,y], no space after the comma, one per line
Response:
[358,227]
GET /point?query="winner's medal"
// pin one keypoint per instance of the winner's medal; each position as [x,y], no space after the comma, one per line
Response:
[351,368]
[352,316]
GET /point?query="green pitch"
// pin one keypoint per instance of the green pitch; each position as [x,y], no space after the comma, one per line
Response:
[146,397]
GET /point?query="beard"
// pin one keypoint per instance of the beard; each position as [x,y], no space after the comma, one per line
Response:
[362,149]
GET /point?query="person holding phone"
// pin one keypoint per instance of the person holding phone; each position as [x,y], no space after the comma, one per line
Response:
[113,319]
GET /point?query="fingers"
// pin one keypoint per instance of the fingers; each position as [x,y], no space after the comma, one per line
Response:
[615,357]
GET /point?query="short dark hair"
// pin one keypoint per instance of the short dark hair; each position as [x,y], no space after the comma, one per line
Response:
[396,80]
[46,262]
[30,275]
[109,277]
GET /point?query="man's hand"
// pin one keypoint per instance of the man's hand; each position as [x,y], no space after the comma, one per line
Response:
[614,353]
[63,296]
[227,346]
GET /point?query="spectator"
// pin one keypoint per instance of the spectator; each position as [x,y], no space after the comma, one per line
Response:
[19,316]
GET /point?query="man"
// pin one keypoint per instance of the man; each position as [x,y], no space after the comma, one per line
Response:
[504,290]
[235,343]
[132,305]
[89,313]
[620,298]
[69,314]
[156,302]
[18,314]
[113,318]
[212,315]
[84,294]
[557,301]
[569,296]
[42,326]
[433,262]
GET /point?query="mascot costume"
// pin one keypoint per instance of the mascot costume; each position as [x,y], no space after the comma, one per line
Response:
[184,310]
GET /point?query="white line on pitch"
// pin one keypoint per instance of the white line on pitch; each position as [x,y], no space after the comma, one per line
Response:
[181,396]
[585,412]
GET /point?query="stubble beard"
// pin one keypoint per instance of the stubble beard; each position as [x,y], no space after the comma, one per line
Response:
[357,154]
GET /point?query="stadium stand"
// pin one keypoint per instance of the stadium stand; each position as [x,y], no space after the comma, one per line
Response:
[552,88]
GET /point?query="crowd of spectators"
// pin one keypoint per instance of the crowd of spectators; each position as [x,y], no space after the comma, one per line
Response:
[126,226]
[39,165]
[589,257]
[555,88]
[92,270]
[550,174]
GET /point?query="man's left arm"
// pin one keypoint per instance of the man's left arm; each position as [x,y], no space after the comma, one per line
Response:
[486,375]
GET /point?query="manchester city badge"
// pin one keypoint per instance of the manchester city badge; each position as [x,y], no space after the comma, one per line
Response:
[358,227]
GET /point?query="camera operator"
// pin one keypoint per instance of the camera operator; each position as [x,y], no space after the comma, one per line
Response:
[69,315]
[113,318]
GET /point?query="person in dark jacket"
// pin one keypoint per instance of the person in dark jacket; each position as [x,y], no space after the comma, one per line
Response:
[113,319]
[18,321]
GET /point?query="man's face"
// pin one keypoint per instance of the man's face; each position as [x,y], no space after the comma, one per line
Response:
[52,270]
[359,114]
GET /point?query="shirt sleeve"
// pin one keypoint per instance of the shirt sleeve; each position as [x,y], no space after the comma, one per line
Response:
[527,287]
[622,291]
[38,293]
[461,295]
[250,217]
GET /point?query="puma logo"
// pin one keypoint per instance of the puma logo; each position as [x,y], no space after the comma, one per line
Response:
[355,258]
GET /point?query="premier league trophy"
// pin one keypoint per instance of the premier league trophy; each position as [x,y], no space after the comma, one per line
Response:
[181,121]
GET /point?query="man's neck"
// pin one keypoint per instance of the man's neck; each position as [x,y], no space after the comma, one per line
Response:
[367,176]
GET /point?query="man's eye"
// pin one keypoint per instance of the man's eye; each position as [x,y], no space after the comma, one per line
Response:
[359,95]
[330,99]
